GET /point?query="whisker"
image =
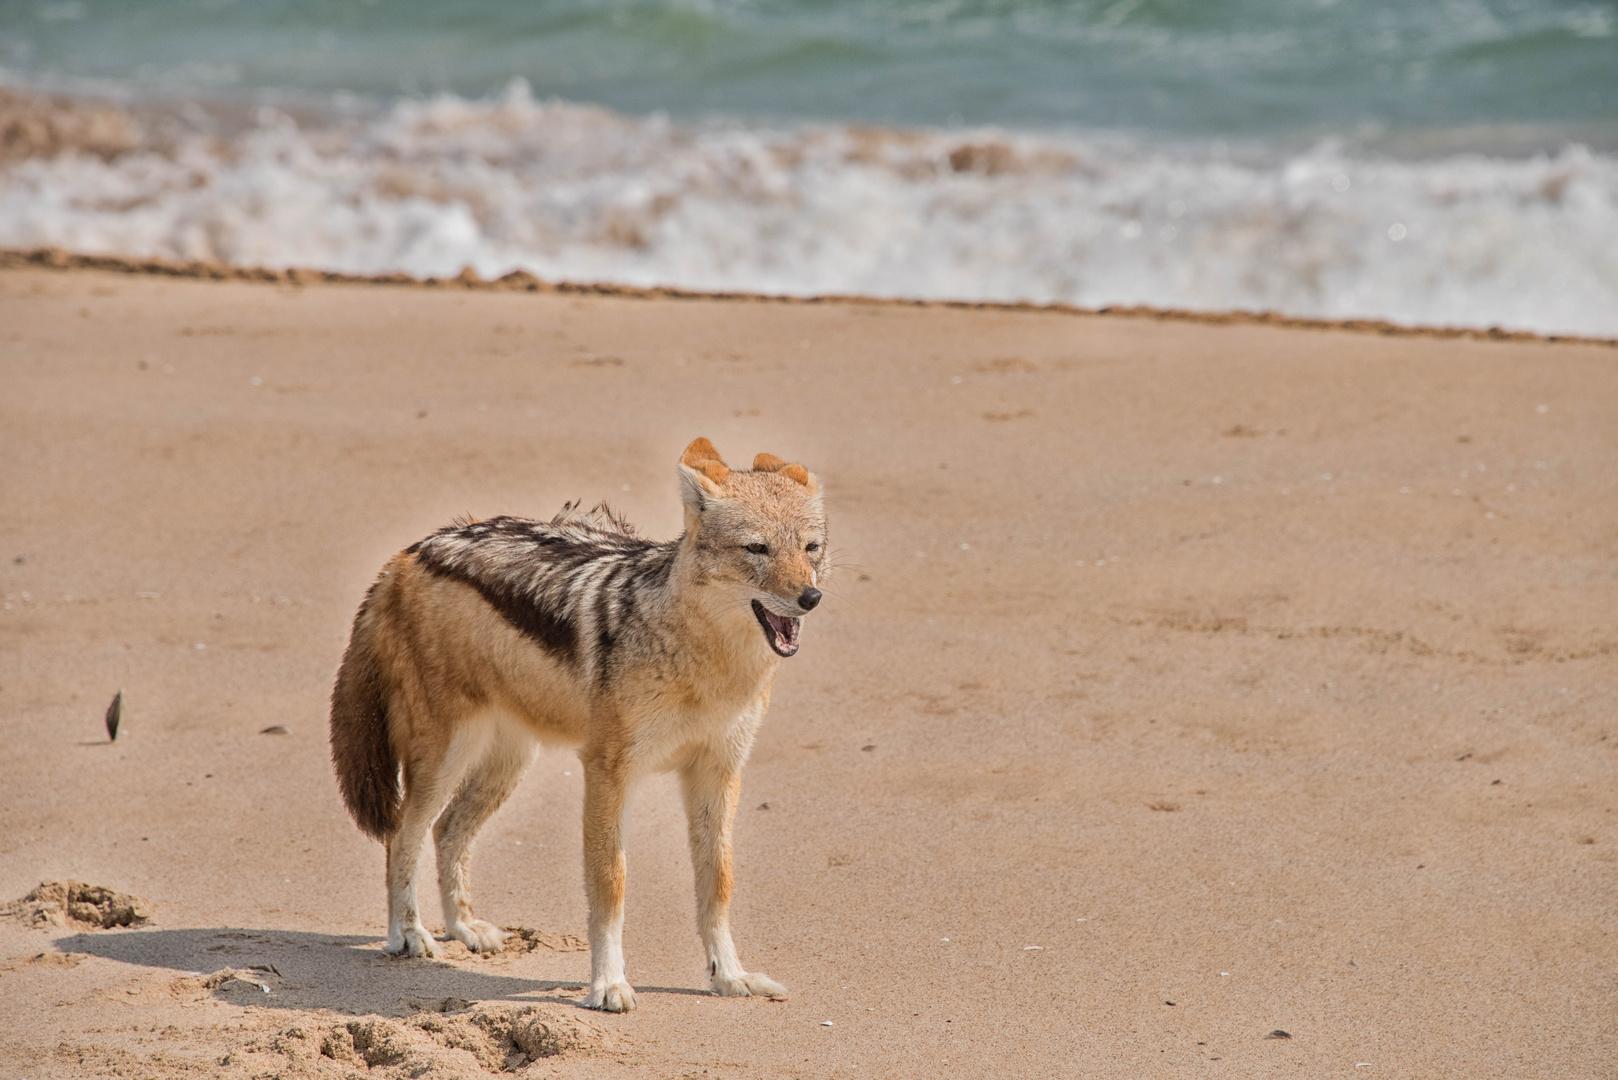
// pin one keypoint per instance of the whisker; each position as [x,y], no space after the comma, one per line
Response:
[842,598]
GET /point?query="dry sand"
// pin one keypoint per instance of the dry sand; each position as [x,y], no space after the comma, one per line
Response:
[1180,683]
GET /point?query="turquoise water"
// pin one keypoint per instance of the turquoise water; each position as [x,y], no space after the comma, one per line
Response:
[1184,67]
[1447,162]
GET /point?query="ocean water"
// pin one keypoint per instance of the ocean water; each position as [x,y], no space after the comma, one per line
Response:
[1452,162]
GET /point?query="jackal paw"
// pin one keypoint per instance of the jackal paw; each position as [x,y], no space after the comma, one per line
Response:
[613,997]
[479,936]
[415,941]
[744,984]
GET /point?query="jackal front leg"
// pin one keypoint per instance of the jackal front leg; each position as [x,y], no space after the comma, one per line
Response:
[711,790]
[606,785]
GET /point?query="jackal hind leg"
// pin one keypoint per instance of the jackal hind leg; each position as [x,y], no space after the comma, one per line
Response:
[428,785]
[606,789]
[489,782]
[711,790]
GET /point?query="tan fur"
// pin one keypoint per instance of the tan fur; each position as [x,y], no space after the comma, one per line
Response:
[464,687]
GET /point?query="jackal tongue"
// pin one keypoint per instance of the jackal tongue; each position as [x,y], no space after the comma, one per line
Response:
[786,629]
[782,630]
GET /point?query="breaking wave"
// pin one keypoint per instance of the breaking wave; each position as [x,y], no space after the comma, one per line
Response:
[578,193]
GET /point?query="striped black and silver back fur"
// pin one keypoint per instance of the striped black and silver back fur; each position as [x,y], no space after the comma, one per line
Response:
[575,585]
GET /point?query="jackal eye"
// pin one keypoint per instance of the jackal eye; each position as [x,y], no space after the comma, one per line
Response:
[759,549]
[812,546]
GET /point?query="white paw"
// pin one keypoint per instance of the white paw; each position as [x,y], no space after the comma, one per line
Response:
[479,936]
[745,984]
[613,997]
[415,941]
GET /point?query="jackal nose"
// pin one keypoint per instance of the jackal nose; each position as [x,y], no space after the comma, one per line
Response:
[809,599]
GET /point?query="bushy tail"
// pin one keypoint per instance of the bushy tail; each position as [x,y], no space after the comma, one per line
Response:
[367,767]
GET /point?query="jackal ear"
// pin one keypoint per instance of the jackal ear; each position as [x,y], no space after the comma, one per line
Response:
[771,463]
[702,472]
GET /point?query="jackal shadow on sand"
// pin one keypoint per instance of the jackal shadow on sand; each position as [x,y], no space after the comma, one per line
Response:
[290,969]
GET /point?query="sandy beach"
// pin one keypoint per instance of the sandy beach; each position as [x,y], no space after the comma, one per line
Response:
[1180,685]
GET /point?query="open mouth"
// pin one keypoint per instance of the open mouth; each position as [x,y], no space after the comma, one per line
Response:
[780,631]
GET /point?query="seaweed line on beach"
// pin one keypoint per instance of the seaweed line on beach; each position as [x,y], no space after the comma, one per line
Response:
[522,281]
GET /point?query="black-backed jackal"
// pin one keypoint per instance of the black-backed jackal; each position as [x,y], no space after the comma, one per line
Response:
[490,637]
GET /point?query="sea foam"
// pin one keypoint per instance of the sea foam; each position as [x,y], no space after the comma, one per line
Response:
[571,192]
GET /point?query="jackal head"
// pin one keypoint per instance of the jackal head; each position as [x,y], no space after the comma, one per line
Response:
[758,533]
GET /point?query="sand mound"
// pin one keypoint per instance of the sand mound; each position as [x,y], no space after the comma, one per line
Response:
[78,905]
[524,940]
[44,960]
[243,985]
[496,1039]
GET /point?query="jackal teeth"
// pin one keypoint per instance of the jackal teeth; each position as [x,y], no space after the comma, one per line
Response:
[781,631]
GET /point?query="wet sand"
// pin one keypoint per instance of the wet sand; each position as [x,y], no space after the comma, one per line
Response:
[1179,684]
